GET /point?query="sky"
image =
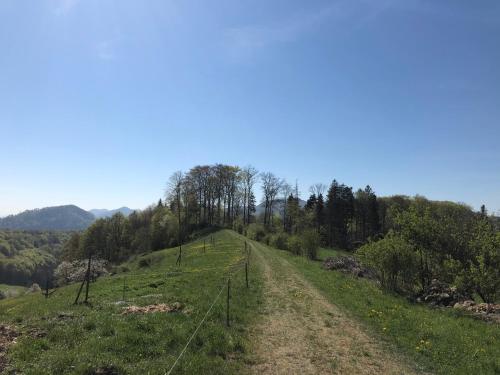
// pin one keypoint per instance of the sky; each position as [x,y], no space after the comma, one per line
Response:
[102,100]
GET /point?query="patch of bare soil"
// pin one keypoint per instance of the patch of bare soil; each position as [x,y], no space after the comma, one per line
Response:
[107,370]
[303,333]
[160,307]
[8,336]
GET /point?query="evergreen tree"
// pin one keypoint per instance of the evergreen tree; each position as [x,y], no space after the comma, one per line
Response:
[311,202]
[251,207]
[320,212]
[340,209]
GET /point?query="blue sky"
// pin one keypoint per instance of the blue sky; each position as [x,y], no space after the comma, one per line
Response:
[100,100]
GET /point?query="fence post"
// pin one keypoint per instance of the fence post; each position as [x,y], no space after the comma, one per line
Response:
[228,296]
[204,246]
[88,281]
[179,258]
[47,285]
[124,280]
[246,273]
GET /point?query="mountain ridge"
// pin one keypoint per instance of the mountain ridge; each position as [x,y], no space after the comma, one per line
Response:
[57,218]
[103,212]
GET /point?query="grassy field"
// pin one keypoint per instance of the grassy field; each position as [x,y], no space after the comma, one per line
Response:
[443,341]
[12,290]
[59,338]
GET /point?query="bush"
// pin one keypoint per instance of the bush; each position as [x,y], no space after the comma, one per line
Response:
[3,295]
[310,244]
[150,259]
[70,272]
[280,241]
[295,245]
[267,239]
[394,260]
[238,226]
[256,232]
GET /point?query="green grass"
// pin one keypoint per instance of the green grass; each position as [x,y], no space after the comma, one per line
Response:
[443,341]
[12,290]
[80,339]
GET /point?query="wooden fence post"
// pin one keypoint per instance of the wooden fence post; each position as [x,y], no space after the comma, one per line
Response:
[85,280]
[246,273]
[88,280]
[124,281]
[228,296]
[46,285]
[179,258]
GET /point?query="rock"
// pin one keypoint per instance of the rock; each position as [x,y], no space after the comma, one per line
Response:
[486,311]
[34,288]
[160,307]
[440,294]
[348,264]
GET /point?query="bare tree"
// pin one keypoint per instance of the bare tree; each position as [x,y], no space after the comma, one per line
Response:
[174,195]
[286,190]
[249,176]
[317,189]
[271,186]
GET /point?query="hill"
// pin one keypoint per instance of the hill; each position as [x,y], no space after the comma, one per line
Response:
[112,336]
[102,212]
[277,207]
[69,217]
[26,257]
[152,316]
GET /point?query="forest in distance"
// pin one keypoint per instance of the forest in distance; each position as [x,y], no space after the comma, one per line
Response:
[407,241]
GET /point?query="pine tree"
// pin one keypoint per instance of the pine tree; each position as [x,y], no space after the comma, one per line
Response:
[320,212]
[311,202]
[340,209]
[251,207]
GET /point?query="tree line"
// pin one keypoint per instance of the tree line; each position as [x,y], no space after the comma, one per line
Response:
[407,241]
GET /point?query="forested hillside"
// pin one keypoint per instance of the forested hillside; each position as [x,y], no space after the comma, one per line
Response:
[28,257]
[102,212]
[68,217]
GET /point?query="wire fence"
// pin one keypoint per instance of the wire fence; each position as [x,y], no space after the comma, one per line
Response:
[240,263]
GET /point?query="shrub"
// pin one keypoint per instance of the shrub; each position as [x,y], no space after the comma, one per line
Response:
[150,259]
[267,239]
[238,226]
[295,245]
[3,295]
[394,260]
[256,232]
[280,241]
[70,272]
[310,244]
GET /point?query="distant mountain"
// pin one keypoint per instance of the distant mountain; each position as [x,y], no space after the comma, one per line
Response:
[68,217]
[102,212]
[277,207]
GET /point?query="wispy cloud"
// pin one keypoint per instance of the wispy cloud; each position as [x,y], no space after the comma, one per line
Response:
[346,16]
[62,7]
[105,50]
[243,42]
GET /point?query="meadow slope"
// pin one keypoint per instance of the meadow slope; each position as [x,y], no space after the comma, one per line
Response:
[295,318]
[57,337]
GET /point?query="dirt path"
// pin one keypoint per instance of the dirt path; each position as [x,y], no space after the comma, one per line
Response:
[302,333]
